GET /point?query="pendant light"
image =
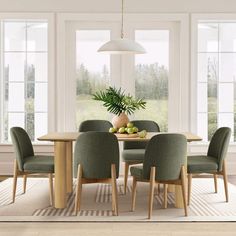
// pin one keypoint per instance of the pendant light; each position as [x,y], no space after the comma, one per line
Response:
[122,45]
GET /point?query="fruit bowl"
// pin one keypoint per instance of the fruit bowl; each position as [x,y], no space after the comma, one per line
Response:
[118,135]
[129,131]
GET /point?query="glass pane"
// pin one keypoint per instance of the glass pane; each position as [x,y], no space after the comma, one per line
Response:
[207,37]
[37,66]
[37,38]
[226,97]
[14,65]
[226,120]
[207,67]
[202,126]
[30,90]
[151,75]
[25,76]
[212,96]
[16,97]
[227,67]
[156,44]
[218,70]
[41,121]
[92,73]
[202,97]
[228,37]
[29,125]
[14,36]
[41,97]
[212,124]
[15,119]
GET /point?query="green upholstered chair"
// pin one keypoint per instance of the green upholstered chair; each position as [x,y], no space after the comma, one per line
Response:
[213,162]
[133,152]
[96,160]
[27,163]
[164,162]
[95,125]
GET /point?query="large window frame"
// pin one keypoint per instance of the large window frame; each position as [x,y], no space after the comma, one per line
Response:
[174,82]
[49,18]
[195,20]
[71,28]
[178,107]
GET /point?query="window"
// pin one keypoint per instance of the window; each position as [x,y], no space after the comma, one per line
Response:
[92,74]
[151,75]
[24,77]
[216,77]
[154,76]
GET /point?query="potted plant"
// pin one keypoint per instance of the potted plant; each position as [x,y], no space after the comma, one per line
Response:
[120,104]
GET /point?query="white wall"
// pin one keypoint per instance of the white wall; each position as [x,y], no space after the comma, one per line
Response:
[137,6]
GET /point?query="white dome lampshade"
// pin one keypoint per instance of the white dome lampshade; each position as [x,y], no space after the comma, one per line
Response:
[122,46]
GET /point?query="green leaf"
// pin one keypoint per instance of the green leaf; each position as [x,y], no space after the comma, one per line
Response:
[117,102]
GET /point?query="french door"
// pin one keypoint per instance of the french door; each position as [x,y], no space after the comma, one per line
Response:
[153,76]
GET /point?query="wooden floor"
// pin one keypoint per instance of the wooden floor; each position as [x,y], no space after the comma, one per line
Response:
[120,229]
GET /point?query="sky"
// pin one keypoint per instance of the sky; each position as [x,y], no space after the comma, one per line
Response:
[156,43]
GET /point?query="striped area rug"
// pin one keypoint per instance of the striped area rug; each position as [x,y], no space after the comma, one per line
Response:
[96,203]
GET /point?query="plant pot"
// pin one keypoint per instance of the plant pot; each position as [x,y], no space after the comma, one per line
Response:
[120,121]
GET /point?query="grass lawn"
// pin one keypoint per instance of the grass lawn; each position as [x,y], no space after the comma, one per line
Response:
[87,108]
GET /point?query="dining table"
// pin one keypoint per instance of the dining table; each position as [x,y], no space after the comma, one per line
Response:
[63,161]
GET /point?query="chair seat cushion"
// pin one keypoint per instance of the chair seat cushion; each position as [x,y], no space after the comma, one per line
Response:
[137,171]
[133,155]
[202,164]
[39,164]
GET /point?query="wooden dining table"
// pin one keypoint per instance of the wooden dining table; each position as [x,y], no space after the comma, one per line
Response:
[63,143]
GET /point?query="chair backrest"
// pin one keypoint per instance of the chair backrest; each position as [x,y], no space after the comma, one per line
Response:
[219,145]
[149,126]
[95,125]
[167,152]
[96,152]
[22,145]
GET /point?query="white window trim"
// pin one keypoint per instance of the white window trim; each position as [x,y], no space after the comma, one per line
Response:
[50,17]
[195,18]
[64,108]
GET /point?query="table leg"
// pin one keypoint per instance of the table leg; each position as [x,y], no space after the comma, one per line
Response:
[60,174]
[178,197]
[171,188]
[69,169]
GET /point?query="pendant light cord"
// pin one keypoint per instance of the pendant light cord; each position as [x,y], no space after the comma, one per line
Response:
[122,20]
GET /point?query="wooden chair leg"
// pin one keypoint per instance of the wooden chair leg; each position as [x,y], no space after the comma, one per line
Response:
[134,194]
[78,189]
[112,199]
[158,188]
[225,182]
[114,189]
[25,181]
[189,187]
[215,182]
[126,176]
[14,181]
[51,189]
[183,185]
[165,196]
[151,191]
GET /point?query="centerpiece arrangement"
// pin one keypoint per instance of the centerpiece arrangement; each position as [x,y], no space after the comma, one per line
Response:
[121,105]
